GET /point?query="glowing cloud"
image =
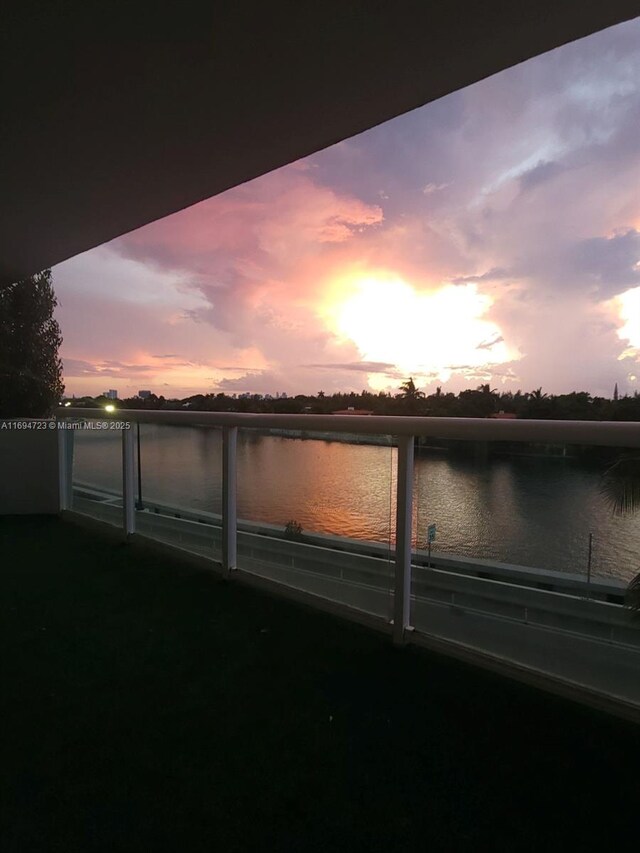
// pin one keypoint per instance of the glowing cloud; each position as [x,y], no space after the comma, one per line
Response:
[423,334]
[628,305]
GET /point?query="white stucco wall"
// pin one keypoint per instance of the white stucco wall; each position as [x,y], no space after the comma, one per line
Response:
[28,468]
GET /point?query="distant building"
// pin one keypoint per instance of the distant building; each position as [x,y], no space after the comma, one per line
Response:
[352,411]
[144,394]
[504,416]
[111,394]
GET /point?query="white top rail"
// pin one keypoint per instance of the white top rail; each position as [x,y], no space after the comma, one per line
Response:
[606,433]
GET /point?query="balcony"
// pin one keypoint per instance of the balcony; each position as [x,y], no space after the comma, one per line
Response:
[149,705]
[564,631]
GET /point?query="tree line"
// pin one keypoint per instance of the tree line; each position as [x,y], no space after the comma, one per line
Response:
[480,402]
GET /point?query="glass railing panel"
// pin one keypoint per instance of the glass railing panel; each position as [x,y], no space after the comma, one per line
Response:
[179,486]
[529,561]
[97,469]
[523,508]
[318,513]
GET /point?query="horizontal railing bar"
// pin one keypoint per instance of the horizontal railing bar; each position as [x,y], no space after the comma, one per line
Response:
[606,433]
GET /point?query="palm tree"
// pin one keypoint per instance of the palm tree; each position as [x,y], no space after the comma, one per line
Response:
[409,390]
[539,405]
[621,488]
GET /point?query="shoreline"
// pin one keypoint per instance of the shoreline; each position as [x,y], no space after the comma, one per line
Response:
[462,447]
[549,579]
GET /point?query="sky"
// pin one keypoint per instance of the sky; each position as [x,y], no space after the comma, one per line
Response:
[490,236]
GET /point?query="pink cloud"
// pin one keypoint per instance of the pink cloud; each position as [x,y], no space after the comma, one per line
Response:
[271,221]
[258,255]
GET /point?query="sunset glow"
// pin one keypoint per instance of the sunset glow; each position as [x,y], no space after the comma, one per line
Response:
[424,334]
[492,236]
[629,308]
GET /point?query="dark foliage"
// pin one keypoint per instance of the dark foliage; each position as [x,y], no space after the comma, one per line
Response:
[293,530]
[30,368]
[481,402]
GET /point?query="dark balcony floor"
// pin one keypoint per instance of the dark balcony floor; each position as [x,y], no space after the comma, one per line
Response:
[147,706]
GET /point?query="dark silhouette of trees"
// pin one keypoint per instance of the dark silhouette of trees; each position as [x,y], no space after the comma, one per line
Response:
[30,367]
[480,402]
[410,399]
[409,391]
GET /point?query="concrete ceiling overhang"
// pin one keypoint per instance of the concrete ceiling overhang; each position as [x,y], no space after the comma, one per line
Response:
[114,118]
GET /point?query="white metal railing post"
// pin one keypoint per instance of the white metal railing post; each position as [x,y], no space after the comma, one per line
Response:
[402,597]
[229,498]
[128,481]
[65,463]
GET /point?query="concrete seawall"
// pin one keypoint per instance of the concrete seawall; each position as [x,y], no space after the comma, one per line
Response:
[600,588]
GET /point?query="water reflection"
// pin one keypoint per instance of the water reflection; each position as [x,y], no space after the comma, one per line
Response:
[325,486]
[527,511]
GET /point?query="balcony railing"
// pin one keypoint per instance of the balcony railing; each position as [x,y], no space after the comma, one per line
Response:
[551,628]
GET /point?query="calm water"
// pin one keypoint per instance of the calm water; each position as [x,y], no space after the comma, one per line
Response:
[526,511]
